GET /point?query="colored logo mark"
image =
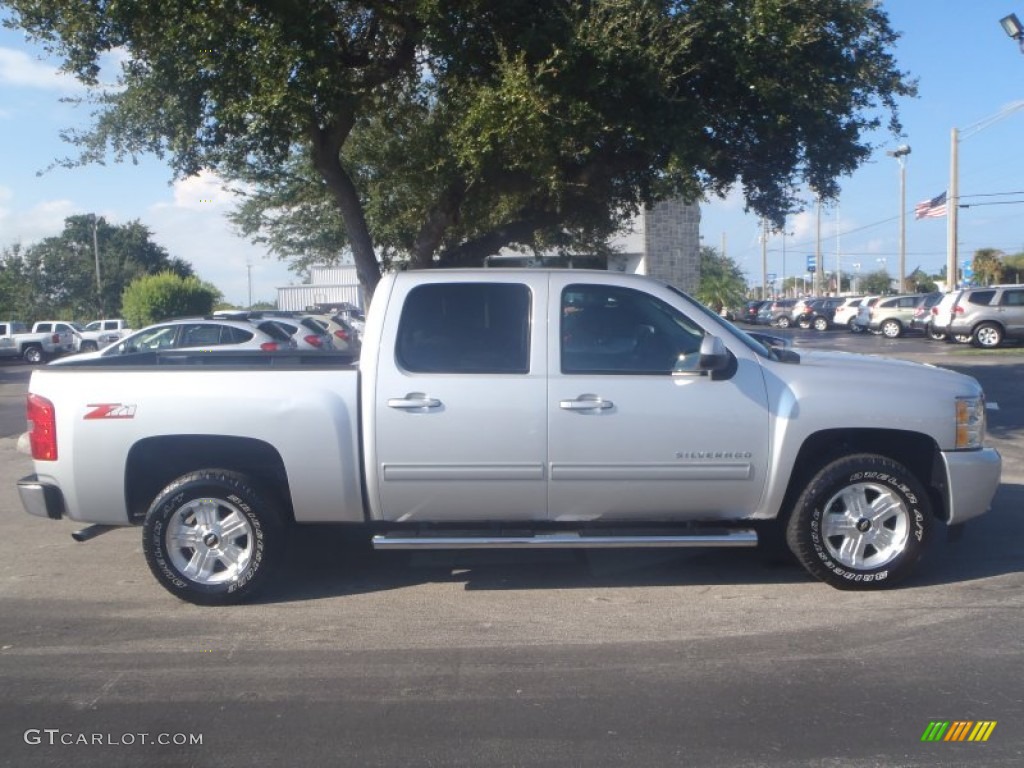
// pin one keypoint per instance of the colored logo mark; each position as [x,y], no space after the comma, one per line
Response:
[958,730]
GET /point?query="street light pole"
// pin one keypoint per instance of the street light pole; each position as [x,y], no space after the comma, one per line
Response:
[900,153]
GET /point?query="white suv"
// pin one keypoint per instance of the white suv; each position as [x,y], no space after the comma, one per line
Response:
[846,312]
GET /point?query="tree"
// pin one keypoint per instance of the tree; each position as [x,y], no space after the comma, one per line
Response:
[60,272]
[722,283]
[153,298]
[988,265]
[877,282]
[440,131]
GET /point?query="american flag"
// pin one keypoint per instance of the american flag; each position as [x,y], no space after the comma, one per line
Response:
[931,209]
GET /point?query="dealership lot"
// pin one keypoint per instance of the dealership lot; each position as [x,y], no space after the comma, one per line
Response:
[552,658]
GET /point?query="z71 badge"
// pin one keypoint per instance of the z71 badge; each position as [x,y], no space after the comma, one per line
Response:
[110,411]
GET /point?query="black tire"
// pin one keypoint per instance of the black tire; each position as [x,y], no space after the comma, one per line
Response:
[32,354]
[88,346]
[873,546]
[988,336]
[782,322]
[196,511]
[854,328]
[935,335]
[820,324]
[804,322]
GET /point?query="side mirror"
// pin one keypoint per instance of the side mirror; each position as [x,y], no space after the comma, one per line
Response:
[713,354]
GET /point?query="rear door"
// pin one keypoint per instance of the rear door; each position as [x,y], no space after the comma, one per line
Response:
[459,428]
[1011,311]
[636,433]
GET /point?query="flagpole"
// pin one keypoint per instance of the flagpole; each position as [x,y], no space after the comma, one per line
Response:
[952,209]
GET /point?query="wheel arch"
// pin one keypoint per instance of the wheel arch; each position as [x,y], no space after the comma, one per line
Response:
[918,452]
[154,462]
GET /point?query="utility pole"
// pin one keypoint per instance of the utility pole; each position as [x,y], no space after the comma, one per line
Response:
[248,272]
[96,253]
[819,266]
[764,259]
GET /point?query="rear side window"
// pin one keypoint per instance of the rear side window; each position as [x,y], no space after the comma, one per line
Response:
[980,297]
[274,331]
[465,328]
[1012,299]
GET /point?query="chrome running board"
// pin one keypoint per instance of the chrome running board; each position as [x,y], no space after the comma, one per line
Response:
[568,540]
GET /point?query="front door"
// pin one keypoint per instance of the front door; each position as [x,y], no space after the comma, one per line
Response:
[635,431]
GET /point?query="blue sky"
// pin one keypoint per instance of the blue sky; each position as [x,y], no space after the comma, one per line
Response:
[967,70]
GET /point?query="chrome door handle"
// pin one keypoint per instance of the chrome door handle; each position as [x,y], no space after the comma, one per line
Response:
[586,403]
[413,401]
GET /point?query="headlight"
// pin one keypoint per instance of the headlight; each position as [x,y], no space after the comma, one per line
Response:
[970,422]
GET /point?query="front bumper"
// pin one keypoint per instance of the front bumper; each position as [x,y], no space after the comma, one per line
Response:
[973,480]
[40,498]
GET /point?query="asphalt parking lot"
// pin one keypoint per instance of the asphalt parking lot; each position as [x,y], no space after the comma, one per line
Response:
[697,657]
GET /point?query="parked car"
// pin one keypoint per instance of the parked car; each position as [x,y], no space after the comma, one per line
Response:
[846,312]
[777,313]
[198,333]
[989,315]
[345,337]
[101,333]
[307,332]
[921,320]
[891,316]
[65,331]
[748,314]
[483,418]
[860,322]
[942,315]
[796,314]
[819,314]
[16,340]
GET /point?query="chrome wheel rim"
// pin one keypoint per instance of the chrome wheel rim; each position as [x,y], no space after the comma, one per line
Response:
[865,526]
[988,337]
[210,541]
[891,330]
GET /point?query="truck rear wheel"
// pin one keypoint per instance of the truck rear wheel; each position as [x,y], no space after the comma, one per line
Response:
[211,538]
[33,354]
[861,523]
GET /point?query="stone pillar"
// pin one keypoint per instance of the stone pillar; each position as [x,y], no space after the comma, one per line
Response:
[672,243]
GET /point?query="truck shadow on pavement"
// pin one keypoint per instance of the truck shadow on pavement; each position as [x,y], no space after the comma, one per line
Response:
[324,561]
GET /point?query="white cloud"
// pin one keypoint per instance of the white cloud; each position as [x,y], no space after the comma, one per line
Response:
[26,227]
[192,226]
[17,68]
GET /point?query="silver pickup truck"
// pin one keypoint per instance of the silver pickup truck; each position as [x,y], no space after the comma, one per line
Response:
[511,409]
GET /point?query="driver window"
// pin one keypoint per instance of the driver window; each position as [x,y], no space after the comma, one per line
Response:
[613,330]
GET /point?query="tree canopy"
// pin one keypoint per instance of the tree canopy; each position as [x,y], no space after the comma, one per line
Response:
[434,131]
[56,277]
[722,283]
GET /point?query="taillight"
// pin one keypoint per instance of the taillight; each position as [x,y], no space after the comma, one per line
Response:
[314,340]
[269,346]
[42,428]
[55,338]
[935,310]
[341,334]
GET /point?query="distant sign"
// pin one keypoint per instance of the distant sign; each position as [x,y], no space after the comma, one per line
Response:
[812,263]
[771,277]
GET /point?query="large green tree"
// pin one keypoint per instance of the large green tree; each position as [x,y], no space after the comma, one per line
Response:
[439,131]
[58,275]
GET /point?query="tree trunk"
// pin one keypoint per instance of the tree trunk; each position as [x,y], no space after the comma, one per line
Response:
[327,143]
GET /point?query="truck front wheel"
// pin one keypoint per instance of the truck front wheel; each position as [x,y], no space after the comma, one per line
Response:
[861,523]
[211,539]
